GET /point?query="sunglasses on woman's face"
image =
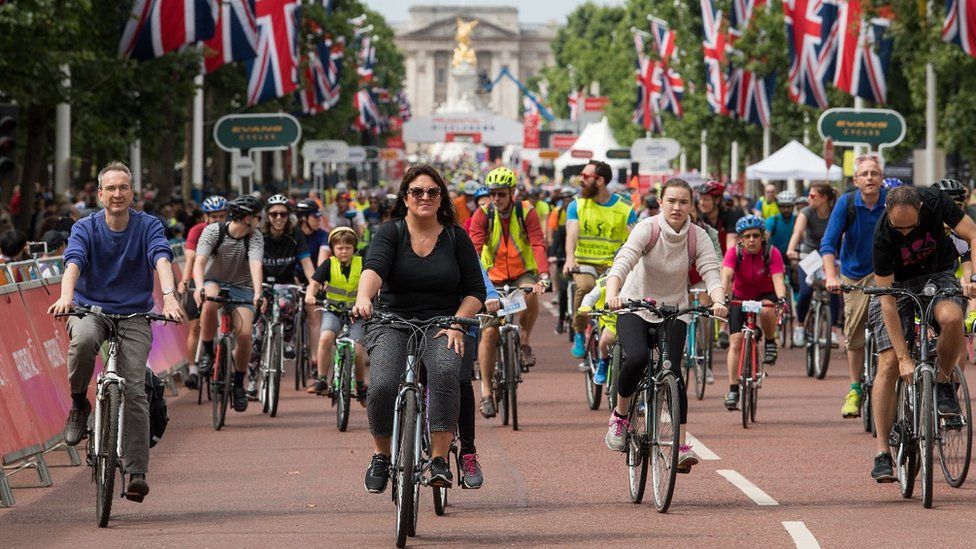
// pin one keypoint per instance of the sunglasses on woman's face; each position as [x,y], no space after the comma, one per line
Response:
[277,215]
[419,193]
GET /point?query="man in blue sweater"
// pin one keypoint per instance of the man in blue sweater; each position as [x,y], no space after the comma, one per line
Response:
[856,264]
[109,263]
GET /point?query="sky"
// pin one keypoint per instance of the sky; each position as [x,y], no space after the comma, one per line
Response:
[530,11]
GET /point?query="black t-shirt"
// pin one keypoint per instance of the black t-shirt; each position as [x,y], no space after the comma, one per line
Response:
[424,287]
[282,254]
[926,249]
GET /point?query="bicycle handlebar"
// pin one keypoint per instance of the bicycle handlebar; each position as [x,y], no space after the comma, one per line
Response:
[81,312]
[889,290]
[446,322]
[226,300]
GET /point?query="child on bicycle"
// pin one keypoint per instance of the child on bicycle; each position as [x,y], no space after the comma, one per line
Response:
[339,275]
[597,299]
[754,271]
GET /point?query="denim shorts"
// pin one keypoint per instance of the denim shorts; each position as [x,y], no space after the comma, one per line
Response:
[236,293]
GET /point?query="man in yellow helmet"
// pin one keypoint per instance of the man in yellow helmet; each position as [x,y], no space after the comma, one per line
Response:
[508,236]
[597,225]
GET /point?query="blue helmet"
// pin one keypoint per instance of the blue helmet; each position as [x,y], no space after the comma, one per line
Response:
[215,203]
[482,191]
[892,182]
[749,222]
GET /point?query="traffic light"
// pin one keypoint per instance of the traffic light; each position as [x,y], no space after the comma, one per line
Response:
[8,137]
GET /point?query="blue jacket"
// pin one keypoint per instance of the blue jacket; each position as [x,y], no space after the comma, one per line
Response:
[117,269]
[857,247]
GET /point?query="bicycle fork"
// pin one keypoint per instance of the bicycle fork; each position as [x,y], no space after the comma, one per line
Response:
[409,386]
[106,378]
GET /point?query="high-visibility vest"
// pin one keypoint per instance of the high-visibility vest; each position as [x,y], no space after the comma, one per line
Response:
[602,230]
[516,234]
[341,289]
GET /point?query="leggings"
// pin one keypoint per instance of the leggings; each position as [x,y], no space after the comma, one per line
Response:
[637,337]
[805,297]
[466,413]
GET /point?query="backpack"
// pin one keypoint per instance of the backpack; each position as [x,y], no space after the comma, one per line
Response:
[519,215]
[851,209]
[158,414]
[692,242]
[766,253]
[222,232]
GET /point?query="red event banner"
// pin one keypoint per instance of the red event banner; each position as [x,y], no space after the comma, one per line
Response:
[594,104]
[562,141]
[530,131]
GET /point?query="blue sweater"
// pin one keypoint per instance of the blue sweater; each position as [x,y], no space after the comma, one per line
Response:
[857,250]
[117,269]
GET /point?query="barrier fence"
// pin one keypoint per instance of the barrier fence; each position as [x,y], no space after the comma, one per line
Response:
[34,394]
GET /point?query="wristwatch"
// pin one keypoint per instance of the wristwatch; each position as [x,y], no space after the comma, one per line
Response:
[972,278]
[169,291]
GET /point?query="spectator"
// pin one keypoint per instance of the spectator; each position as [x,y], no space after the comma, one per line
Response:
[56,242]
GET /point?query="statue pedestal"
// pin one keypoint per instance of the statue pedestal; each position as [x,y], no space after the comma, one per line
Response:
[462,90]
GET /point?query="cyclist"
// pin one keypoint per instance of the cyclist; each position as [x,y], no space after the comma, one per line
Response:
[229,256]
[712,210]
[779,227]
[109,263]
[508,236]
[767,206]
[556,236]
[214,211]
[340,276]
[849,236]
[753,270]
[597,224]
[317,240]
[465,204]
[482,199]
[597,299]
[659,273]
[911,249]
[426,267]
[342,214]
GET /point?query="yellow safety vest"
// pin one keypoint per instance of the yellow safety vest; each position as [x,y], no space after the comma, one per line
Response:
[602,230]
[342,290]
[542,209]
[769,209]
[515,234]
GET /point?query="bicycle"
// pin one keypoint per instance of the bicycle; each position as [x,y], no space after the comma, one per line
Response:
[590,361]
[105,446]
[752,370]
[343,366]
[698,346]
[272,366]
[867,379]
[302,362]
[222,379]
[409,453]
[817,329]
[571,293]
[594,392]
[784,318]
[508,364]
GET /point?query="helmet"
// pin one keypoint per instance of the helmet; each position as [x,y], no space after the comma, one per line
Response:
[482,191]
[307,207]
[786,198]
[952,187]
[278,200]
[243,206]
[500,178]
[712,188]
[471,187]
[339,230]
[651,203]
[892,182]
[215,203]
[749,222]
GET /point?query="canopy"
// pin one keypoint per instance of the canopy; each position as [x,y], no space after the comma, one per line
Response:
[597,139]
[794,161]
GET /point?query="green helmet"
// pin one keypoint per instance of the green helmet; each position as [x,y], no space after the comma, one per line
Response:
[500,178]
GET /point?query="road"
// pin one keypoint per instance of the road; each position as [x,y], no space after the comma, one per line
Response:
[295,480]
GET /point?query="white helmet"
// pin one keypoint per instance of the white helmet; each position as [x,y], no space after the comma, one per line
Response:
[277,200]
[786,198]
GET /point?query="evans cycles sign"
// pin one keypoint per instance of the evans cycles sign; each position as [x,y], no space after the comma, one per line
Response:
[876,128]
[257,132]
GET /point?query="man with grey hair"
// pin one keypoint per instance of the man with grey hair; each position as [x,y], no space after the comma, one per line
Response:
[109,263]
[767,207]
[849,235]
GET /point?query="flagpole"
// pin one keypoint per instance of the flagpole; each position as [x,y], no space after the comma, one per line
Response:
[704,155]
[62,140]
[930,122]
[196,173]
[734,165]
[135,164]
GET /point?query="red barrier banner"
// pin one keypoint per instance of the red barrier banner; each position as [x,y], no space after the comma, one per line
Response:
[17,428]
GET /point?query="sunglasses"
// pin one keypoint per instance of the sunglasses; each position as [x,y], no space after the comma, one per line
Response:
[277,215]
[587,176]
[911,227]
[497,193]
[418,193]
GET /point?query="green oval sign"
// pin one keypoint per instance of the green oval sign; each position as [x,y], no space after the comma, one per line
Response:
[273,131]
[619,154]
[876,128]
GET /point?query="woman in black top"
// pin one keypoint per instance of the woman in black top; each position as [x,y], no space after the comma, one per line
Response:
[284,245]
[424,271]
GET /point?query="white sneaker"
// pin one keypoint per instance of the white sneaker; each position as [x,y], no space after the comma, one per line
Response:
[709,378]
[834,339]
[798,338]
[617,433]
[583,367]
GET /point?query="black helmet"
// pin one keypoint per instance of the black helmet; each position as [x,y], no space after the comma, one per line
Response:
[952,187]
[306,207]
[243,206]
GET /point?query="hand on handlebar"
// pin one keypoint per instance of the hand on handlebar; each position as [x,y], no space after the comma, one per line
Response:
[833,284]
[968,289]
[793,255]
[720,310]
[569,266]
[615,303]
[493,305]
[455,340]
[198,297]
[362,309]
[60,307]
[172,309]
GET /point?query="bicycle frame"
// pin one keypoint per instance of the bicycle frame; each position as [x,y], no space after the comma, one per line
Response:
[749,331]
[691,339]
[110,376]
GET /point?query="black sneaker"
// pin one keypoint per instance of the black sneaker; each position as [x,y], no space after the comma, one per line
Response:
[440,473]
[320,387]
[205,365]
[732,401]
[723,340]
[76,427]
[362,390]
[138,488]
[378,474]
[240,398]
[289,351]
[883,468]
[770,352]
[192,381]
[945,396]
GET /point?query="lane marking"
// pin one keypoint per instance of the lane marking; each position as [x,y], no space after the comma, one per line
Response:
[700,449]
[748,488]
[801,535]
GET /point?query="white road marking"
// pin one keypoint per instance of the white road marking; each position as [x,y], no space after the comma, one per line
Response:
[700,449]
[801,535]
[747,487]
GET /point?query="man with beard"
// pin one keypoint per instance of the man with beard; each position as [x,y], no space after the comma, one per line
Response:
[597,225]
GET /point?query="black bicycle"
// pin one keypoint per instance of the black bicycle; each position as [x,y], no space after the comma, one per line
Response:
[222,378]
[302,360]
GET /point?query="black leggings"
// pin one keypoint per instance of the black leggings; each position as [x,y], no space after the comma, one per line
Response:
[637,337]
[466,412]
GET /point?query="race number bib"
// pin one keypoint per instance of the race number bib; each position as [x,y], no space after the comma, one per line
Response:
[512,304]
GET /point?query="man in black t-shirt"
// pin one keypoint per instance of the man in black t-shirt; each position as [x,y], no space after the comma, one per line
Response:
[911,249]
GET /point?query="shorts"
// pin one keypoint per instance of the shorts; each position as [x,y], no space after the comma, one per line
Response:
[737,319]
[332,323]
[190,303]
[236,293]
[525,279]
[907,310]
[855,312]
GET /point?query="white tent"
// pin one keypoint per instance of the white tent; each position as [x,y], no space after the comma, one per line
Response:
[794,161]
[597,139]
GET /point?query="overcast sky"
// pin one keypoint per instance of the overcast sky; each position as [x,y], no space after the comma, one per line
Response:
[530,11]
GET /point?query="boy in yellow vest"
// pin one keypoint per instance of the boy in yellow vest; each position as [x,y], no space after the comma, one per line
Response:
[339,275]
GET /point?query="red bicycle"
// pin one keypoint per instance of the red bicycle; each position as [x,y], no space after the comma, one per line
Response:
[751,367]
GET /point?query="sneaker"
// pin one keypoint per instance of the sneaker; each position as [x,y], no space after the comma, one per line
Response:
[138,488]
[289,351]
[970,322]
[252,389]
[617,433]
[378,474]
[723,340]
[76,427]
[320,387]
[488,407]
[192,381]
[560,328]
[240,398]
[600,377]
[883,468]
[527,357]
[686,459]
[205,365]
[579,348]
[834,340]
[440,473]
[709,377]
[471,475]
[770,352]
[732,401]
[852,405]
[361,392]
[583,367]
[799,334]
[945,397]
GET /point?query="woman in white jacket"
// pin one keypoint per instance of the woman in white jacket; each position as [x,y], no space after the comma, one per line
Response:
[660,274]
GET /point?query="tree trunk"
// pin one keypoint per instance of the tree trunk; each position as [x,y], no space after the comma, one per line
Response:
[187,180]
[166,156]
[36,118]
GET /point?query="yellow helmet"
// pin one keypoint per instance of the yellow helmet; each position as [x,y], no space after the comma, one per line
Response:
[339,230]
[501,178]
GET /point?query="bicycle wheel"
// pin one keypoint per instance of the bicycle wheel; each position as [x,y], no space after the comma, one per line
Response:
[593,391]
[107,460]
[263,373]
[406,468]
[300,357]
[221,384]
[440,500]
[808,331]
[745,375]
[276,369]
[664,441]
[612,372]
[956,442]
[822,342]
[637,446]
[870,364]
[703,346]
[513,374]
[343,396]
[926,439]
[784,329]
[500,385]
[904,450]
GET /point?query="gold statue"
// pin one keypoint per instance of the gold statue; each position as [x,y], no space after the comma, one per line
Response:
[464,53]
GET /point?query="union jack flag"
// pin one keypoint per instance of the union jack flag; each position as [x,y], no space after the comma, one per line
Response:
[959,27]
[671,85]
[863,52]
[236,35]
[805,40]
[575,100]
[749,94]
[365,50]
[648,76]
[315,97]
[716,86]
[369,118]
[274,71]
[334,72]
[404,104]
[157,27]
